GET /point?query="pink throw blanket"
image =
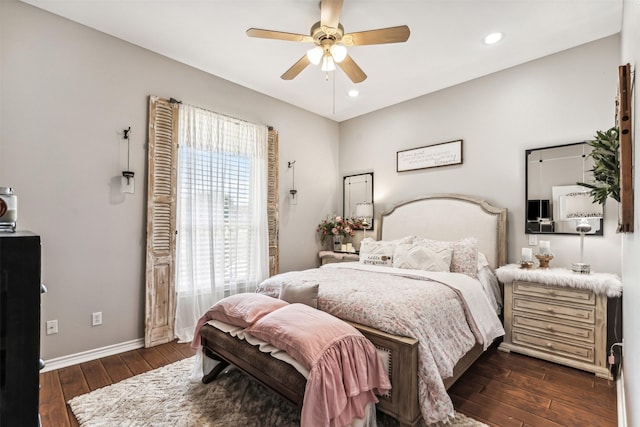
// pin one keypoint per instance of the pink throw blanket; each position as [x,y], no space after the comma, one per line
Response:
[345,370]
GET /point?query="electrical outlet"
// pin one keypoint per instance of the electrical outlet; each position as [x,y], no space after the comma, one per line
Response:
[96,318]
[533,240]
[52,327]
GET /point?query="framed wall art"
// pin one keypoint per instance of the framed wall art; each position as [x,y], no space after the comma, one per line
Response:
[429,156]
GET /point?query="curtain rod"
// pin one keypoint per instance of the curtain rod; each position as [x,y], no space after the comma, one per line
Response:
[175,101]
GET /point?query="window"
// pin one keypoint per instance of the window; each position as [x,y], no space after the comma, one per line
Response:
[228,178]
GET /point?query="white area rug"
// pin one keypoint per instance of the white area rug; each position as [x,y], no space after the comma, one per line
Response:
[165,397]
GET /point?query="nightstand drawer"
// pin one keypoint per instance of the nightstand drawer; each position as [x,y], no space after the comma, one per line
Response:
[560,294]
[578,314]
[555,330]
[567,349]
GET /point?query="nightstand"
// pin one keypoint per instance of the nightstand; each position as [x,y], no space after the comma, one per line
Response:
[558,315]
[327,257]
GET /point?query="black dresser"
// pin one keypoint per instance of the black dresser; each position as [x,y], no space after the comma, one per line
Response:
[19,329]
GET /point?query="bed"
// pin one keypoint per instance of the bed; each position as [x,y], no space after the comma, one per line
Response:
[438,217]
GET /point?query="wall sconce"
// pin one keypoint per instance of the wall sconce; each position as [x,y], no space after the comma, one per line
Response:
[293,191]
[127,183]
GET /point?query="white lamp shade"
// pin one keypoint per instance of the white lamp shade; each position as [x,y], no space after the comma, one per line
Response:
[579,205]
[339,52]
[364,210]
[315,55]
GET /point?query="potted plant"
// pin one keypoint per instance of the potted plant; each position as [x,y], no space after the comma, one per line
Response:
[606,166]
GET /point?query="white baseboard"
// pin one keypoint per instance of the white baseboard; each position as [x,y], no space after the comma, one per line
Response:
[622,403]
[86,356]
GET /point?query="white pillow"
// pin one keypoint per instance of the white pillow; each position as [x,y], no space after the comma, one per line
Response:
[379,252]
[418,257]
[465,253]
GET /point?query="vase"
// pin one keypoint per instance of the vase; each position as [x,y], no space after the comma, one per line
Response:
[337,243]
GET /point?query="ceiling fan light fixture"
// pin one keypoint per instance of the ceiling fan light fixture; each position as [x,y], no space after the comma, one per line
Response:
[328,64]
[339,52]
[315,55]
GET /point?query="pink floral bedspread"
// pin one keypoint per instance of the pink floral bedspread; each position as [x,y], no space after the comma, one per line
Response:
[428,311]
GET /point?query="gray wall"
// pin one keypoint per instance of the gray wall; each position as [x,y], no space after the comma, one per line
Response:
[67,93]
[631,241]
[558,99]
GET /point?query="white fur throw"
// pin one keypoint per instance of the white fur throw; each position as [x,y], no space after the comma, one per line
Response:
[599,283]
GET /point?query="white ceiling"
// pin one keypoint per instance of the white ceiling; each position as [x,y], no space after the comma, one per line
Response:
[445,47]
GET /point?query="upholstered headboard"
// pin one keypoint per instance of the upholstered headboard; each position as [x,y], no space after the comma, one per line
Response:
[449,217]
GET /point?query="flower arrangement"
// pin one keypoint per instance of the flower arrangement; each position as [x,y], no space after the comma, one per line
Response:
[338,226]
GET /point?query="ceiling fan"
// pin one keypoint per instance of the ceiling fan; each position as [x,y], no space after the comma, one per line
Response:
[331,41]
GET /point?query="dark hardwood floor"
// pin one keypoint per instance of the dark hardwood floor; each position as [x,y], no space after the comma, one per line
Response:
[500,389]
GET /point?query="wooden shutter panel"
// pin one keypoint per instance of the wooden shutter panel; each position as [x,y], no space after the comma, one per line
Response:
[161,222]
[273,204]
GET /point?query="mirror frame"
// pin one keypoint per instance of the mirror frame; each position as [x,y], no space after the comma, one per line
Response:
[598,232]
[346,180]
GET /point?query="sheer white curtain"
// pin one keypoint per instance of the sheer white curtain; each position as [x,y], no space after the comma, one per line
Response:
[222,225]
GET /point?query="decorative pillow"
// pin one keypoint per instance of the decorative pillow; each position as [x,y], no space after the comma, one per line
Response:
[380,252]
[244,309]
[305,293]
[418,257]
[375,259]
[377,252]
[465,253]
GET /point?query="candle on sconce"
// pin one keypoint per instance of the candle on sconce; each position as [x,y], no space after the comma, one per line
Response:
[544,247]
[527,254]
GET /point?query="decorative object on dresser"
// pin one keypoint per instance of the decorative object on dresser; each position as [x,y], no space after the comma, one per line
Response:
[580,267]
[526,259]
[557,315]
[8,209]
[337,229]
[20,362]
[544,254]
[328,257]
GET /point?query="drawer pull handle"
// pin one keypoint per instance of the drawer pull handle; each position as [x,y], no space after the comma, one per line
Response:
[552,293]
[550,328]
[549,345]
[550,310]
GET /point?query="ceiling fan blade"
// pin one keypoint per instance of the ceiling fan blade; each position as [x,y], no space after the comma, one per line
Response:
[384,35]
[352,70]
[330,13]
[278,35]
[296,69]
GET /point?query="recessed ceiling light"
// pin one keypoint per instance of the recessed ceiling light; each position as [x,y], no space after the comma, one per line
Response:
[493,38]
[353,93]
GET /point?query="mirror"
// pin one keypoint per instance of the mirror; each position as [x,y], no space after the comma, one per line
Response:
[555,203]
[356,190]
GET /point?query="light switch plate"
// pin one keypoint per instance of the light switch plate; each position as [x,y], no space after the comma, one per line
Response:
[533,240]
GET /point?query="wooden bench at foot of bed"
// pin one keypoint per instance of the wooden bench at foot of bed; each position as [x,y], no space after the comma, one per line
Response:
[402,352]
[401,402]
